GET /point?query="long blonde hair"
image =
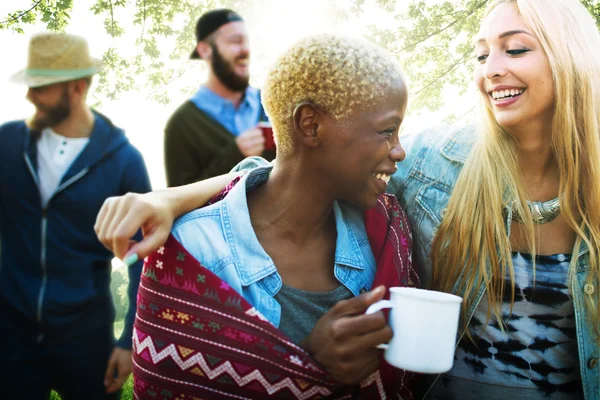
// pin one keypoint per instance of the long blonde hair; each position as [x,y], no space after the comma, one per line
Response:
[472,247]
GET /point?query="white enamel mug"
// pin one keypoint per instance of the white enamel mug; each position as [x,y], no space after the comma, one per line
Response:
[424,323]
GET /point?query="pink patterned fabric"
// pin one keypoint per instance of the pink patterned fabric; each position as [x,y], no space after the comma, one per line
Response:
[196,338]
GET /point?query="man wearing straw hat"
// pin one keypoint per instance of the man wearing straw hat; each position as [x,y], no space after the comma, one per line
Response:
[56,170]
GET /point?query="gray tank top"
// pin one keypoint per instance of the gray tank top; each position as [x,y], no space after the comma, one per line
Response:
[300,309]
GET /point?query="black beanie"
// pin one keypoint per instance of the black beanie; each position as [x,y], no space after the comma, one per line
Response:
[210,22]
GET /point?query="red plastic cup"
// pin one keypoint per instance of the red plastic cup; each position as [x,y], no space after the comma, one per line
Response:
[267,131]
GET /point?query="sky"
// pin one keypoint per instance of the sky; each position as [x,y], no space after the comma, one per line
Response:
[273,25]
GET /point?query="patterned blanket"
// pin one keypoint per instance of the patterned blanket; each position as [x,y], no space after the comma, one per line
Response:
[196,338]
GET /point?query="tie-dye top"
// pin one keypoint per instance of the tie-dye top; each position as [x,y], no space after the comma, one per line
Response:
[535,356]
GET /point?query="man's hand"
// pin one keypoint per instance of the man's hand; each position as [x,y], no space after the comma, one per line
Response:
[251,142]
[119,365]
[343,340]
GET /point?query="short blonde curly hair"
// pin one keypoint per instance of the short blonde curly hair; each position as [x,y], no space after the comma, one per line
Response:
[338,74]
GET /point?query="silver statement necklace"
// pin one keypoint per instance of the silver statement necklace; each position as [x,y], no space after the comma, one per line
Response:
[541,211]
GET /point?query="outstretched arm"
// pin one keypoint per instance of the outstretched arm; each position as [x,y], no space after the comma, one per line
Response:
[120,217]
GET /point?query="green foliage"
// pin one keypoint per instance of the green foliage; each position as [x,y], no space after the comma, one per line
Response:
[54,13]
[118,289]
[126,392]
[122,292]
[432,40]
[434,46]
[594,8]
[118,328]
[158,23]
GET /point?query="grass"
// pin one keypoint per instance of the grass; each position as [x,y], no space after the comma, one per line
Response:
[127,393]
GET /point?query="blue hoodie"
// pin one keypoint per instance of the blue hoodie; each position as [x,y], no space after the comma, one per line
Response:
[54,273]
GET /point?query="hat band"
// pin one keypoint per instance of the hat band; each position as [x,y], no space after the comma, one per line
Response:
[60,72]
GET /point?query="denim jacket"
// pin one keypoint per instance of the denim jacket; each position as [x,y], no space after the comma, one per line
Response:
[423,184]
[221,238]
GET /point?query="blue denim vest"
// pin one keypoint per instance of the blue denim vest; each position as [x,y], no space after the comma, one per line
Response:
[423,184]
[221,238]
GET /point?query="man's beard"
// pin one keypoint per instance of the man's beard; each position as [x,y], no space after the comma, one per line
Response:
[52,115]
[223,69]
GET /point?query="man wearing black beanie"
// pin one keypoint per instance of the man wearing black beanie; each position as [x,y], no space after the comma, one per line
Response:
[217,127]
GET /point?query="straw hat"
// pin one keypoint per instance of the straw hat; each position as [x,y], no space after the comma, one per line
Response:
[57,57]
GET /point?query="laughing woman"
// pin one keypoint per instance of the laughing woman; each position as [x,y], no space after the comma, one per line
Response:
[263,293]
[510,212]
[506,215]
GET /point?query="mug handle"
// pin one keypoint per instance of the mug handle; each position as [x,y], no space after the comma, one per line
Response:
[373,308]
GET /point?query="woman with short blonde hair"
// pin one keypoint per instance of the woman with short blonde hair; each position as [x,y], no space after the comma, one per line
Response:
[505,214]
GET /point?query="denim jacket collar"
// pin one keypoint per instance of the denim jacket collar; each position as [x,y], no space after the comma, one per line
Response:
[454,149]
[251,261]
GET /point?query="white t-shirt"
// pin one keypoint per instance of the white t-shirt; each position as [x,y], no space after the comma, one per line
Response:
[56,153]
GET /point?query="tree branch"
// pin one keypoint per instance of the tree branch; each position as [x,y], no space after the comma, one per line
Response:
[449,69]
[112,20]
[143,20]
[171,81]
[22,14]
[477,7]
[465,114]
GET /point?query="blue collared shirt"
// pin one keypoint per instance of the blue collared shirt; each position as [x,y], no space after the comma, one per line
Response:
[222,239]
[235,120]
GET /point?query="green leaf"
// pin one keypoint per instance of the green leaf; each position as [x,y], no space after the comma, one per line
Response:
[432,40]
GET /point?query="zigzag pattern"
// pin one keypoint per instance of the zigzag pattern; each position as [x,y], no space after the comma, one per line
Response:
[375,377]
[226,367]
[212,343]
[221,394]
